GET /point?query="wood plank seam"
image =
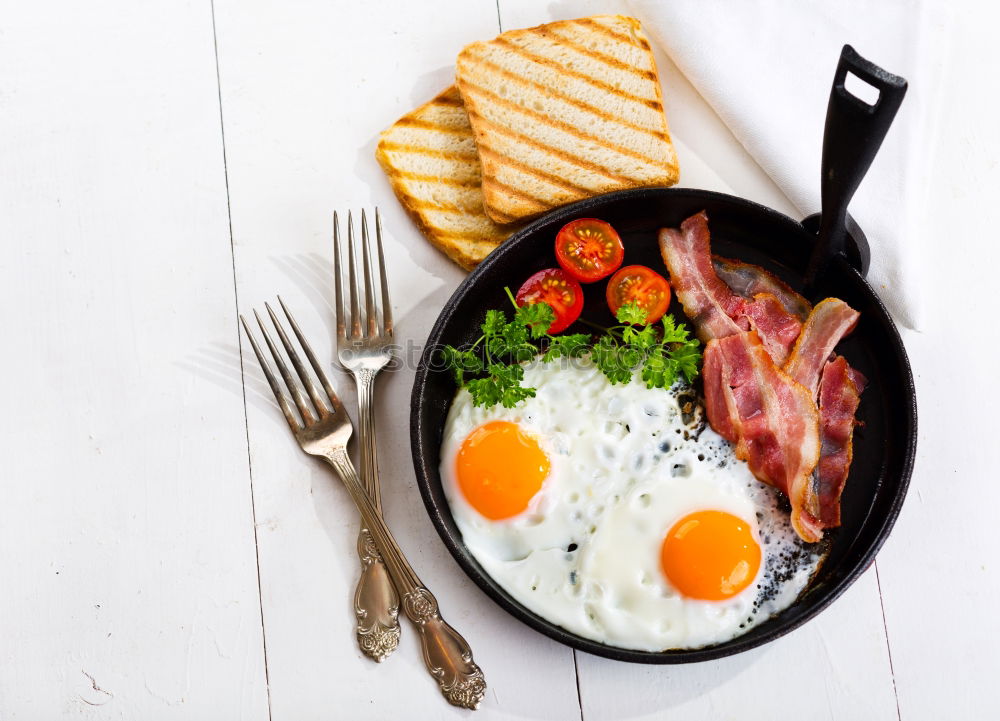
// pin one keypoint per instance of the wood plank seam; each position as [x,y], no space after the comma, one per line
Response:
[239,345]
[888,646]
[579,696]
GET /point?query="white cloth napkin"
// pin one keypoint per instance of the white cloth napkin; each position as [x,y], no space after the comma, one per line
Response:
[766,68]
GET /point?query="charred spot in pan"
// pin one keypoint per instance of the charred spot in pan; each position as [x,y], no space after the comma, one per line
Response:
[692,414]
[687,401]
[782,568]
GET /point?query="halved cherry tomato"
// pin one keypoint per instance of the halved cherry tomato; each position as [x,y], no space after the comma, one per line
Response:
[589,249]
[555,287]
[639,284]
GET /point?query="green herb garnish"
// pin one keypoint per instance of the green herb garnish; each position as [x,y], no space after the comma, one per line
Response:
[490,369]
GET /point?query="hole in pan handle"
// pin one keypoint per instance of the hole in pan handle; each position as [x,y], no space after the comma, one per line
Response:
[853,134]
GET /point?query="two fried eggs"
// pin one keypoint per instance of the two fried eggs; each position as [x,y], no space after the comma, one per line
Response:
[614,512]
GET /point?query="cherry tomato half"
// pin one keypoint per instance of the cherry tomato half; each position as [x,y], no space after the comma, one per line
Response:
[589,249]
[639,284]
[555,287]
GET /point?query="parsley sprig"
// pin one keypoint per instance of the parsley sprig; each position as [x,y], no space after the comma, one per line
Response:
[664,350]
[491,367]
[497,353]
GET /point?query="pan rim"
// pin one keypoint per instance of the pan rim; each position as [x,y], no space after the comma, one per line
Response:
[740,644]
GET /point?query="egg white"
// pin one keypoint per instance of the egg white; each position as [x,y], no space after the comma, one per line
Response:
[626,463]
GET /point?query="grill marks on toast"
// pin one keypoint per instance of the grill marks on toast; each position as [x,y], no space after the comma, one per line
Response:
[430,158]
[450,97]
[488,152]
[567,134]
[593,24]
[510,190]
[458,128]
[517,79]
[507,172]
[575,163]
[591,51]
[632,46]
[435,152]
[456,182]
[565,110]
[541,60]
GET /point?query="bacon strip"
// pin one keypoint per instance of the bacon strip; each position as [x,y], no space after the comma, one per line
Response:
[839,392]
[716,310]
[749,280]
[707,300]
[717,402]
[839,395]
[762,372]
[773,418]
[830,320]
[778,329]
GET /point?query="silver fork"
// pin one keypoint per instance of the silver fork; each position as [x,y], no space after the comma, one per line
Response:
[323,431]
[364,352]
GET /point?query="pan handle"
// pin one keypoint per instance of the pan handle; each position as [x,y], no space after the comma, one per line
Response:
[853,134]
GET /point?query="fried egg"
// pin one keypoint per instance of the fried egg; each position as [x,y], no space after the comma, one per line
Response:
[614,512]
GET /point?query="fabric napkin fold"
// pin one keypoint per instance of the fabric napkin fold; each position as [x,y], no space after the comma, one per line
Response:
[766,68]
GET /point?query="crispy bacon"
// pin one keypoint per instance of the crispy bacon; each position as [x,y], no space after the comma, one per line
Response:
[839,395]
[778,329]
[721,419]
[762,371]
[773,419]
[707,300]
[716,310]
[830,320]
[748,280]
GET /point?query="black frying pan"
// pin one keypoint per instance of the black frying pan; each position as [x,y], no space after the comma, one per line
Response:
[834,263]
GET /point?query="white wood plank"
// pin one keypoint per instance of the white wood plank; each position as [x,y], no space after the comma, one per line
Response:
[939,570]
[847,644]
[130,585]
[306,89]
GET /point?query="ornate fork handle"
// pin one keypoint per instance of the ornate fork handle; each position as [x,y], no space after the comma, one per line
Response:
[447,655]
[376,604]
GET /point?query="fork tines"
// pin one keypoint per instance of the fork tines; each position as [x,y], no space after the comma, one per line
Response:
[373,321]
[322,406]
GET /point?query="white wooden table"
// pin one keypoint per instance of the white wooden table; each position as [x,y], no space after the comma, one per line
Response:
[166,550]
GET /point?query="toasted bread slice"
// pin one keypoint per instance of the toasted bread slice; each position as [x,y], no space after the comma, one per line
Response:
[565,111]
[430,158]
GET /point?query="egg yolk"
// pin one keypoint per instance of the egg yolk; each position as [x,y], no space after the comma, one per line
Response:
[500,469]
[710,555]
